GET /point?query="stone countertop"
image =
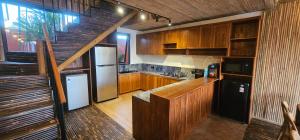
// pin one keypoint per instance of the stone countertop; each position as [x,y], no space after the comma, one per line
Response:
[160,74]
[164,90]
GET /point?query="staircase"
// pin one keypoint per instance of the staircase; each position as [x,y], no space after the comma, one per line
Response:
[26,108]
[101,18]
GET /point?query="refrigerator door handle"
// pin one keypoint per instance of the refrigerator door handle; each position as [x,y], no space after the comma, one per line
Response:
[106,65]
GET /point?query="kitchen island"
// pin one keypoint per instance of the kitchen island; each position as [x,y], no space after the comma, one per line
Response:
[169,112]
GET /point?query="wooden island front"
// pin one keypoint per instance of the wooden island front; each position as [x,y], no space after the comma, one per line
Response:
[169,112]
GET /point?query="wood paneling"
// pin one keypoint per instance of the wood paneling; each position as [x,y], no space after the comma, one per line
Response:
[192,10]
[278,62]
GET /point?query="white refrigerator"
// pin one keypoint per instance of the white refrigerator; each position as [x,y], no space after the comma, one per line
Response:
[77,91]
[106,73]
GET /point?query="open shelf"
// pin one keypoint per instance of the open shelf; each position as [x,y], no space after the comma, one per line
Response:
[243,38]
[238,57]
[174,48]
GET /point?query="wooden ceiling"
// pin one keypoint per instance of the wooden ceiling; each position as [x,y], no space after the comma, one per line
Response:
[183,11]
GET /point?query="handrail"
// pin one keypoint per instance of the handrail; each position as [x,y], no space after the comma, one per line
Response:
[94,42]
[57,78]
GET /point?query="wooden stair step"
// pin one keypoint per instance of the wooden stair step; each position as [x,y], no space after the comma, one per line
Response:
[28,115]
[13,83]
[45,130]
[13,68]
[14,99]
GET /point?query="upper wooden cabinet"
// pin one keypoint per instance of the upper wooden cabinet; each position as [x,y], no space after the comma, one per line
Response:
[222,35]
[215,35]
[205,36]
[193,38]
[151,43]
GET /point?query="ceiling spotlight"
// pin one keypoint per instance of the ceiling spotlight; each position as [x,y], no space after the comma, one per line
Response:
[120,10]
[143,16]
[170,23]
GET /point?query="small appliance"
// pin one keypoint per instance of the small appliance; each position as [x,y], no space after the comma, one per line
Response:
[235,98]
[238,66]
[77,92]
[213,70]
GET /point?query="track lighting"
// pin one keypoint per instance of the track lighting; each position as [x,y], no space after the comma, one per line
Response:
[142,16]
[120,10]
[170,23]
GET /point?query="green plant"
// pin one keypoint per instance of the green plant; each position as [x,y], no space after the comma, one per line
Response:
[31,25]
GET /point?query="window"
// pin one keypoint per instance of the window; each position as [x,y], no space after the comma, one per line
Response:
[123,41]
[23,26]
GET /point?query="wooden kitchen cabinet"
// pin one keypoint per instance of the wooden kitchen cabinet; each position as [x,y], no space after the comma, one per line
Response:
[171,36]
[129,82]
[221,35]
[149,44]
[135,80]
[142,43]
[193,37]
[207,36]
[124,83]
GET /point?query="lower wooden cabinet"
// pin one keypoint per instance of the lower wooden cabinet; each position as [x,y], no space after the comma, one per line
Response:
[141,81]
[129,82]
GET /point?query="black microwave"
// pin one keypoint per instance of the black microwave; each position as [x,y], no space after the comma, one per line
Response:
[238,66]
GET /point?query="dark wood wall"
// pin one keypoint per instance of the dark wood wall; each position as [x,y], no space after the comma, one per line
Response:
[278,63]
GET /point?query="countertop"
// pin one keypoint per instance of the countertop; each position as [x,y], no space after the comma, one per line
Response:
[174,90]
[159,74]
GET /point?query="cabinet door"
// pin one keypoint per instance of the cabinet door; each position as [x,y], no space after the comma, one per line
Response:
[182,39]
[171,37]
[222,35]
[207,36]
[144,82]
[124,83]
[135,81]
[142,43]
[193,37]
[156,43]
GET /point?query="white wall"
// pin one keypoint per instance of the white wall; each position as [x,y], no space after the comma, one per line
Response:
[187,61]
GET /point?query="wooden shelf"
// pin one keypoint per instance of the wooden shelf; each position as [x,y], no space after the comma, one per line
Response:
[206,48]
[75,70]
[174,48]
[243,75]
[241,39]
[238,57]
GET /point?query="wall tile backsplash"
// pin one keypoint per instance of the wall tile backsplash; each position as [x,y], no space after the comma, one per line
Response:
[169,70]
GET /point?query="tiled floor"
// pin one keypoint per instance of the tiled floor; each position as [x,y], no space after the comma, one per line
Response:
[217,128]
[214,128]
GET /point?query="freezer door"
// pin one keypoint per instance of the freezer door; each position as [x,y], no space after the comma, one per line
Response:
[107,84]
[105,55]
